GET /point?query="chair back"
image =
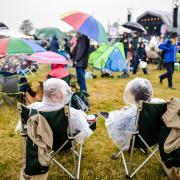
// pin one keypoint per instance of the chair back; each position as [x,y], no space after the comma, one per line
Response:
[8,83]
[150,122]
[57,120]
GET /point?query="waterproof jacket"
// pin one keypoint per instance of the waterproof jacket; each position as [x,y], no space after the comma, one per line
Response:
[54,45]
[80,53]
[170,51]
[141,54]
[172,120]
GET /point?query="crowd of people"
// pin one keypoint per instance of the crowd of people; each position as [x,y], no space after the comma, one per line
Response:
[121,123]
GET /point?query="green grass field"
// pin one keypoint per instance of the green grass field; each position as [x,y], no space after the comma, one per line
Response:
[105,95]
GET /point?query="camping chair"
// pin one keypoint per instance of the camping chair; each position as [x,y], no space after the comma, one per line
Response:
[146,136]
[63,139]
[10,87]
[25,72]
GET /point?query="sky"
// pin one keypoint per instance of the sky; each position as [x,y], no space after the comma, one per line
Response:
[46,13]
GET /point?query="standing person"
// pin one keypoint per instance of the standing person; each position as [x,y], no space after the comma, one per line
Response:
[54,44]
[134,46]
[125,41]
[80,57]
[140,59]
[169,47]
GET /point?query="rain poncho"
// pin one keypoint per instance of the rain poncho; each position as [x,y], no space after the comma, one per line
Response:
[56,95]
[122,123]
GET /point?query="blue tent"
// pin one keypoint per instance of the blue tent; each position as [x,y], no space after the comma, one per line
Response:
[116,61]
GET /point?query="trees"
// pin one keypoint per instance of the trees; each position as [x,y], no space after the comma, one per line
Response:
[26,27]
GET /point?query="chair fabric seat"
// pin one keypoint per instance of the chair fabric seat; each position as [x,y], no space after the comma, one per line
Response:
[150,123]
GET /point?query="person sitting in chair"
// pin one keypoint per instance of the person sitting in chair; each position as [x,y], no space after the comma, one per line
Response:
[122,123]
[56,95]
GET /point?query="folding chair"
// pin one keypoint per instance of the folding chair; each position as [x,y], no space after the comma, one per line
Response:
[10,88]
[146,136]
[63,138]
[25,72]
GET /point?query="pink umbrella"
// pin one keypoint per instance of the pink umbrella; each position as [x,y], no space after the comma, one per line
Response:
[48,57]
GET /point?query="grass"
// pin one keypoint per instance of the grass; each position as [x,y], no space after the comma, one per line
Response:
[105,95]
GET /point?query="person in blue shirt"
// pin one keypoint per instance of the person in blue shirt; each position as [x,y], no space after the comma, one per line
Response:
[169,47]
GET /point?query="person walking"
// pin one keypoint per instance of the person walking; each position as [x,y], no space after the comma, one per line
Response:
[169,48]
[80,57]
[140,59]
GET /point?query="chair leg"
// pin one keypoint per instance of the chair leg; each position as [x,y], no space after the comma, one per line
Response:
[144,162]
[151,149]
[63,168]
[131,155]
[124,162]
[115,156]
[79,162]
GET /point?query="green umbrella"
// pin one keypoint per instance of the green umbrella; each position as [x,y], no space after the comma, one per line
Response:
[49,32]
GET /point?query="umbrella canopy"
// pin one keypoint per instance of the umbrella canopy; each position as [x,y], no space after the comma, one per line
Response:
[3,26]
[48,57]
[134,26]
[86,24]
[11,46]
[49,32]
[14,63]
[13,34]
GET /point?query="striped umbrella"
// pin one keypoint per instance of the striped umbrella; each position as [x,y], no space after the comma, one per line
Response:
[86,24]
[48,57]
[11,46]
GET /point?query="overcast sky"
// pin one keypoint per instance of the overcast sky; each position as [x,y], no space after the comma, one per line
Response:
[43,13]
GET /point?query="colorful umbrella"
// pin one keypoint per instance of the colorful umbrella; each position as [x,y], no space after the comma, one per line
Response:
[14,63]
[48,57]
[86,24]
[11,46]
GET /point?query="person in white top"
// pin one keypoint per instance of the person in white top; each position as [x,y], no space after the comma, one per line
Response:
[56,95]
[122,123]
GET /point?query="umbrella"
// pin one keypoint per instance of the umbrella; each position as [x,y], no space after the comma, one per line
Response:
[13,63]
[134,26]
[86,24]
[49,32]
[3,26]
[14,34]
[48,57]
[11,46]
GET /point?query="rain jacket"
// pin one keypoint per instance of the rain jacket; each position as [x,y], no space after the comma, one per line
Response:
[170,51]
[141,54]
[172,120]
[58,71]
[80,53]
[54,45]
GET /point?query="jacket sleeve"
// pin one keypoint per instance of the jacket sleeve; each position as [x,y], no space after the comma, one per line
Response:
[164,46]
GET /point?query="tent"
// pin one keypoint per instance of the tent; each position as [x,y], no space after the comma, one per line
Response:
[96,54]
[113,59]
